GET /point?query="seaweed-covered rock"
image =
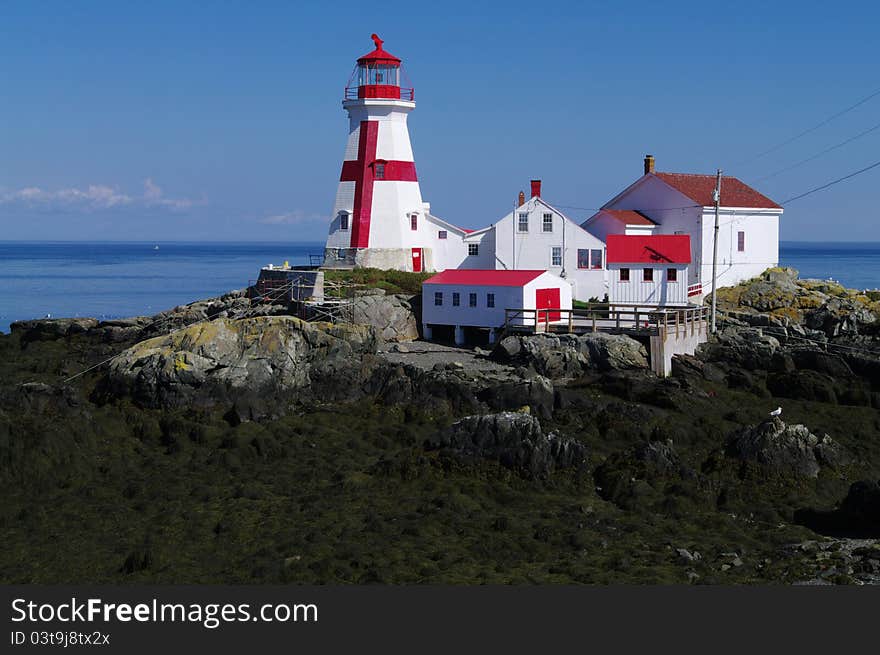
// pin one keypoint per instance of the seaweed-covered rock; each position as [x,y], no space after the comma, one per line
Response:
[515,440]
[785,450]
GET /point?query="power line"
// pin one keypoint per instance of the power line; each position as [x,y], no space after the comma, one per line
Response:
[809,130]
[832,183]
[819,154]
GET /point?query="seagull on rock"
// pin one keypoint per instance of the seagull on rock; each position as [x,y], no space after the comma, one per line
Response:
[776,412]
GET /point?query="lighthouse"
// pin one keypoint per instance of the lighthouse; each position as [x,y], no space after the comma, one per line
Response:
[379,218]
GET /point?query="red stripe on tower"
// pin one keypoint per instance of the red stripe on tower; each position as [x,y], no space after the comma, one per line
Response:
[365,172]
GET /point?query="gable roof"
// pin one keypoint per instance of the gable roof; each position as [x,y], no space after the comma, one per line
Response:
[734,193]
[484,277]
[628,216]
[653,249]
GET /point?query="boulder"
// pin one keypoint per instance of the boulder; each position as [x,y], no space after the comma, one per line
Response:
[568,355]
[279,358]
[49,329]
[785,450]
[857,516]
[516,440]
[392,316]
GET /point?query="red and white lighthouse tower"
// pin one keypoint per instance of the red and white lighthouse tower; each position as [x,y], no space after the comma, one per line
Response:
[379,218]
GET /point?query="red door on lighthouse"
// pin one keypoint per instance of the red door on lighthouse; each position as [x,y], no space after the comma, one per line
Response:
[547,299]
[417,260]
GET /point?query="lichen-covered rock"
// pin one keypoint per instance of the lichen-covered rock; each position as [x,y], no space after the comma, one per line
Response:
[516,440]
[785,450]
[272,357]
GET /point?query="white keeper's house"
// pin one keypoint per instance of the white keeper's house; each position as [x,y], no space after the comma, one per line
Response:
[458,300]
[648,270]
[683,203]
[538,236]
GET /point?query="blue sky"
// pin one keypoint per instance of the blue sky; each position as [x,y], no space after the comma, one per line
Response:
[222,121]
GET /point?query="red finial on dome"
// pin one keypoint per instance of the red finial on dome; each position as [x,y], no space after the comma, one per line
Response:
[379,55]
[377,41]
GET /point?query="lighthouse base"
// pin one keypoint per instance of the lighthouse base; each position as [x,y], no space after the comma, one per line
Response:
[398,259]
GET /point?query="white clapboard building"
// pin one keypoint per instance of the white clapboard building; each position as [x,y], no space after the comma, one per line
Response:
[538,236]
[648,270]
[458,300]
[683,203]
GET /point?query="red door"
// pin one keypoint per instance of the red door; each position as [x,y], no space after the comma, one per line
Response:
[417,260]
[547,299]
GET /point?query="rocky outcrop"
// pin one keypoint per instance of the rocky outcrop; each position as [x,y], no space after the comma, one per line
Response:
[857,516]
[785,450]
[515,440]
[49,329]
[391,315]
[568,355]
[280,359]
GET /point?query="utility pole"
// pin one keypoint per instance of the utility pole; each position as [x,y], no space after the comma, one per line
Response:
[513,220]
[716,196]
[562,273]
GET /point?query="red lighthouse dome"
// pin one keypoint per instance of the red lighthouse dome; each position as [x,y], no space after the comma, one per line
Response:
[377,75]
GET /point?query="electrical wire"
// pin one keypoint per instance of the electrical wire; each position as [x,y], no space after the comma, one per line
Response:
[832,183]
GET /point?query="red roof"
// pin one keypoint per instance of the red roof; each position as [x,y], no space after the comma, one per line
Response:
[653,249]
[734,193]
[630,217]
[484,278]
[379,55]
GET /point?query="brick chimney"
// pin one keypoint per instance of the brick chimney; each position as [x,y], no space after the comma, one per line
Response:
[521,200]
[649,164]
[536,188]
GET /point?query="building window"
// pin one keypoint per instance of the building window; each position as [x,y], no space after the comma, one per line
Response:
[740,241]
[556,256]
[473,249]
[671,275]
[596,258]
[490,300]
[380,171]
[624,275]
[414,221]
[343,220]
[438,298]
[441,234]
[472,300]
[523,223]
[647,275]
[583,258]
[456,298]
[548,223]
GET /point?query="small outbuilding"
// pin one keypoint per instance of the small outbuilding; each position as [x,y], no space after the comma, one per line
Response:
[648,270]
[478,298]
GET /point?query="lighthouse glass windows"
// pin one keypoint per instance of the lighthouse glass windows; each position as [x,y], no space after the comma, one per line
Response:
[523,223]
[374,74]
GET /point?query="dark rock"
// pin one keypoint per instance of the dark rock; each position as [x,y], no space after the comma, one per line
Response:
[803,385]
[513,439]
[785,450]
[50,329]
[858,514]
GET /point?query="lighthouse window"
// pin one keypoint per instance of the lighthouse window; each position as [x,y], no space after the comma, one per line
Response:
[414,221]
[473,249]
[556,256]
[438,298]
[380,171]
[456,298]
[441,234]
[472,300]
[548,222]
[523,223]
[343,221]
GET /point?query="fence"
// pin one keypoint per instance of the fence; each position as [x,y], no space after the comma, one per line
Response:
[609,318]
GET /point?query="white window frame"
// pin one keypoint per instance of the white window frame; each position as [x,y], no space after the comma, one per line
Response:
[442,234]
[522,219]
[553,250]
[344,223]
[544,222]
[438,299]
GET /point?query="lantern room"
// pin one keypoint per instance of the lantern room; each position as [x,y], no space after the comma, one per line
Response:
[377,75]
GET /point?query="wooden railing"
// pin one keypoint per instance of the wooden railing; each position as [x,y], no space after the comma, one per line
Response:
[602,317]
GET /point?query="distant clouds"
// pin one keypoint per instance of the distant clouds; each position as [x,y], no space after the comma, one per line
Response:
[296,217]
[96,197]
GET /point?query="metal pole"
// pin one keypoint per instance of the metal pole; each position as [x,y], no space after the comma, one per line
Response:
[513,234]
[716,196]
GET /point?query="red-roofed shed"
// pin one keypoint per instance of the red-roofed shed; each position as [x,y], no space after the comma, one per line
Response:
[648,270]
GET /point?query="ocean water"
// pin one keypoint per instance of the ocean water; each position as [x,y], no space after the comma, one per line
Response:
[115,280]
